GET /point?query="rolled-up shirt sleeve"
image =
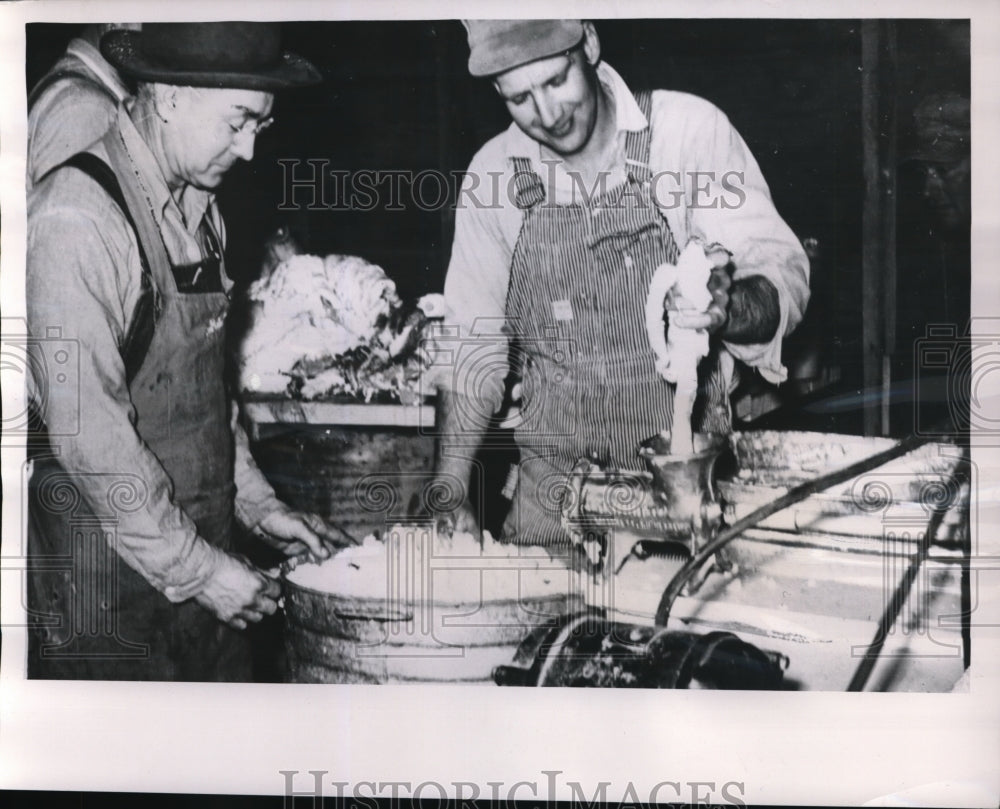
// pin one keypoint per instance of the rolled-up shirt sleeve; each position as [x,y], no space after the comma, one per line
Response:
[728,201]
[78,286]
[473,356]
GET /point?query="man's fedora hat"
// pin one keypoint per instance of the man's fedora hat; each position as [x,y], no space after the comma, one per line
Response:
[236,55]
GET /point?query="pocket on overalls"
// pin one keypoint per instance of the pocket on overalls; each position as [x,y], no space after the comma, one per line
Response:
[619,238]
[548,398]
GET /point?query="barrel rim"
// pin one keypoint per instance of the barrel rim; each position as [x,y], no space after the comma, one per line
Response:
[567,594]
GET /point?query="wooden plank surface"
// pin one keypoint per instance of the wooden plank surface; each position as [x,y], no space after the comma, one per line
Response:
[277,410]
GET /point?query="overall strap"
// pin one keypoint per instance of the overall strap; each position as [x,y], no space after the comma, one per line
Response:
[637,143]
[530,190]
[140,331]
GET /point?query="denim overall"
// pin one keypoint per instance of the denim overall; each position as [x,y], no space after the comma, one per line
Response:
[575,311]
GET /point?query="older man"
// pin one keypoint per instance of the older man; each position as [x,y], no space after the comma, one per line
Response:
[599,187]
[143,467]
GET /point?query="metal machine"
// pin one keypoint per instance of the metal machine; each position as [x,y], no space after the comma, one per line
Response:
[670,511]
[672,508]
[666,530]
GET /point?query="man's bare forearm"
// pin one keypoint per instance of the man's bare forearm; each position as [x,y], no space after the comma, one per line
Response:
[462,422]
[754,312]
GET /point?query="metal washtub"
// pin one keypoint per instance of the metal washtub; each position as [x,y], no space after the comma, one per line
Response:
[416,634]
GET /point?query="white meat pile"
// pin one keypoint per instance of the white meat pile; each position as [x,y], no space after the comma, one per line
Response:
[421,565]
[331,326]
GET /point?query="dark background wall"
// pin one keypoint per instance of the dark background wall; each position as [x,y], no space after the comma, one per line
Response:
[397,97]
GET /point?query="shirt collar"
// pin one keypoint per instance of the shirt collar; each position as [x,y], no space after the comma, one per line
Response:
[194,202]
[628,116]
[96,63]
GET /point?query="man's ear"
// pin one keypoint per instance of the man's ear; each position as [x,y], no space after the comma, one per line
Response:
[164,99]
[591,43]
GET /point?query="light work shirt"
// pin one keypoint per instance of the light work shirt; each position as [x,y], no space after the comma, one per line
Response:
[705,182]
[72,113]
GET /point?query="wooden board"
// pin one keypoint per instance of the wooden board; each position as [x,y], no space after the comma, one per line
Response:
[281,410]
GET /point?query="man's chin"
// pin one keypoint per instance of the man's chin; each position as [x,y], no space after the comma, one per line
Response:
[209,182]
[565,147]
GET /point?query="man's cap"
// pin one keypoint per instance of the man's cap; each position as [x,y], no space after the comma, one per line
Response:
[939,131]
[235,55]
[496,46]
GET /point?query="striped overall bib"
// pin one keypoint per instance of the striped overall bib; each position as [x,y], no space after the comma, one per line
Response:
[575,313]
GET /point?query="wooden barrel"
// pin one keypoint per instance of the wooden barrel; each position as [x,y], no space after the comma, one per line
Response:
[363,477]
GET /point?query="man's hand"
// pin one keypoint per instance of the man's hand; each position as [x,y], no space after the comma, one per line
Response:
[719,283]
[744,311]
[296,533]
[462,520]
[449,509]
[237,593]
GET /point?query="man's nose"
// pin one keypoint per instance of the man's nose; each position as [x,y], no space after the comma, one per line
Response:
[243,145]
[548,111]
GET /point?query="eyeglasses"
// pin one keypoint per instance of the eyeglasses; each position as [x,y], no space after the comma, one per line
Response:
[252,127]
